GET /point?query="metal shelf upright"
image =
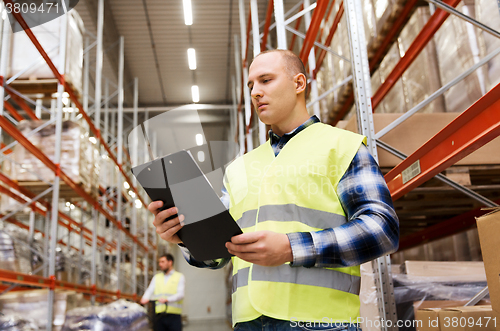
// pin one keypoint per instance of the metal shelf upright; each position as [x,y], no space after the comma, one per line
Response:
[476,126]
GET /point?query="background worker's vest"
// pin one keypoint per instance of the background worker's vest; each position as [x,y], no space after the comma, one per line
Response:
[293,192]
[163,289]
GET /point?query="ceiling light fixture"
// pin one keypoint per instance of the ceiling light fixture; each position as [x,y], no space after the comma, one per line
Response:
[188,14]
[199,139]
[195,92]
[192,58]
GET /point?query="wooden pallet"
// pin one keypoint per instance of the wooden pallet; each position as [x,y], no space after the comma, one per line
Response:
[434,201]
[65,192]
[46,86]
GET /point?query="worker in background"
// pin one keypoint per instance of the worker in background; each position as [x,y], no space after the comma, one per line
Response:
[313,206]
[167,291]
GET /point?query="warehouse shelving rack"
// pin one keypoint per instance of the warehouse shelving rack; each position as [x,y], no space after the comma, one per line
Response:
[92,208]
[473,128]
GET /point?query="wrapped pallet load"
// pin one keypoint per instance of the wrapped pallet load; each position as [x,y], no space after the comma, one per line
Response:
[79,156]
[40,78]
[487,12]
[334,70]
[422,78]
[394,101]
[457,45]
[119,315]
[17,252]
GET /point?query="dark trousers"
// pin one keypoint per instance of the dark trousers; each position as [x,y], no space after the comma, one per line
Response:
[167,322]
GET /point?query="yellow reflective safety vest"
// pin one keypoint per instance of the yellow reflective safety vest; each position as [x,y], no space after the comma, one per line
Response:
[162,290]
[293,192]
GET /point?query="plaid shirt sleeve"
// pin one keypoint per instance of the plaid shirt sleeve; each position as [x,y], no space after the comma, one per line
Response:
[372,229]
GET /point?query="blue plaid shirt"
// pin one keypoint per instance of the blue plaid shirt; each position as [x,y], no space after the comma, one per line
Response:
[372,229]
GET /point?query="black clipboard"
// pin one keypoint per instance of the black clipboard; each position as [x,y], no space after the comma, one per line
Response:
[177,180]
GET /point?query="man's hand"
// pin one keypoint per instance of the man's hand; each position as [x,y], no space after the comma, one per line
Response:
[144,301]
[264,248]
[162,300]
[166,230]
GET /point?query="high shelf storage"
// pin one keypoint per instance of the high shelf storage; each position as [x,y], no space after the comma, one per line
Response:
[345,78]
[101,226]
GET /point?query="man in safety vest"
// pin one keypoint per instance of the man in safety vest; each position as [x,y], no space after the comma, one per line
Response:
[167,291]
[312,204]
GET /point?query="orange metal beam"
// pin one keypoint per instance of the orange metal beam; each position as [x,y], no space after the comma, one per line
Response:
[428,31]
[38,281]
[329,39]
[13,111]
[22,104]
[475,127]
[9,182]
[312,32]
[443,229]
[392,34]
[297,25]
[320,34]
[269,15]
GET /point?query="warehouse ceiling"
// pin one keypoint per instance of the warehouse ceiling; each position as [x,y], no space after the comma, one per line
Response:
[156,43]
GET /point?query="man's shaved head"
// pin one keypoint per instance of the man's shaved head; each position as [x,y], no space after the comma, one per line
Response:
[292,63]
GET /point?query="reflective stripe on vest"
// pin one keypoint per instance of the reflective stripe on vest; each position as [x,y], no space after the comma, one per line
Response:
[293,192]
[327,278]
[162,290]
[284,213]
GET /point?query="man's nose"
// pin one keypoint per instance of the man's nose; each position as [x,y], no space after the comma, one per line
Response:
[256,92]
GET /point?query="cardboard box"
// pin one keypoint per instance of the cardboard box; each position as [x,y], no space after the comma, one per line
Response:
[415,131]
[475,318]
[427,319]
[488,227]
[427,312]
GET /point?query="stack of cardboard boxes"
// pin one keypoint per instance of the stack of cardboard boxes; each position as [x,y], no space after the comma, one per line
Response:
[443,316]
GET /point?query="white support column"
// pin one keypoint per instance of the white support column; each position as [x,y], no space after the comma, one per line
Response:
[256,51]
[362,96]
[31,231]
[5,56]
[255,27]
[279,17]
[57,160]
[46,231]
[106,111]
[237,62]
[312,65]
[147,214]
[133,225]
[86,67]
[99,61]
[38,108]
[97,123]
[82,243]
[246,93]
[119,184]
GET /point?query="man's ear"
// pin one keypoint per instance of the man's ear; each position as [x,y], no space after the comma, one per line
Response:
[300,83]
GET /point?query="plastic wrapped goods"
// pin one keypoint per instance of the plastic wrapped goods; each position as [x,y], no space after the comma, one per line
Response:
[15,252]
[457,46]
[16,323]
[487,12]
[119,315]
[79,156]
[24,52]
[34,304]
[394,101]
[422,78]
